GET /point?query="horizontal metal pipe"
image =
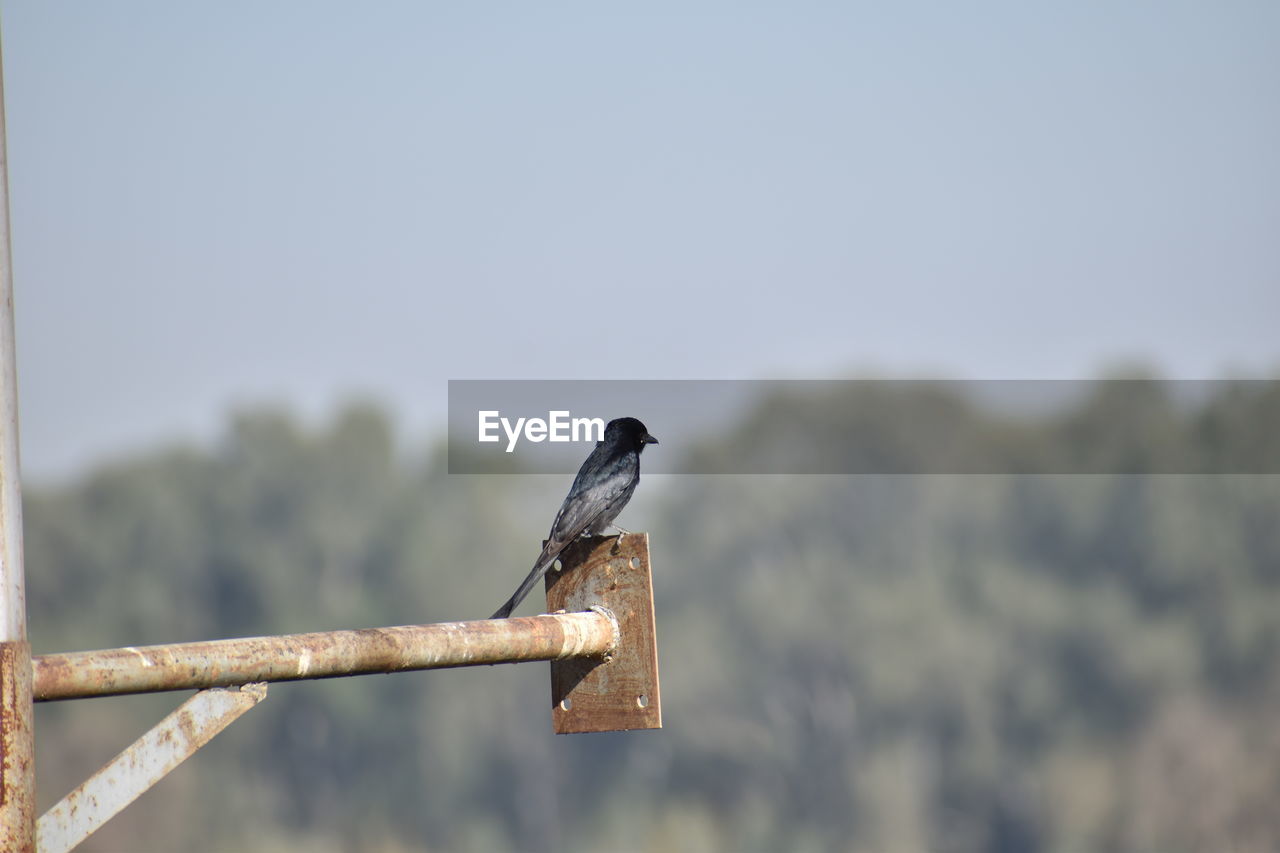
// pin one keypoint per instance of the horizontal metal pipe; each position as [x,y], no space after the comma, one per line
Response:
[329,654]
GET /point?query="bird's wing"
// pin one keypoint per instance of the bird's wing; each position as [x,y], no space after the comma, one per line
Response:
[594,491]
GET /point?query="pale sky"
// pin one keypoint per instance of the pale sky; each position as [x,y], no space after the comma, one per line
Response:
[216,204]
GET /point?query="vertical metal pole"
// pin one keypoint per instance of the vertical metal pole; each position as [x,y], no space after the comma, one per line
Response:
[17,766]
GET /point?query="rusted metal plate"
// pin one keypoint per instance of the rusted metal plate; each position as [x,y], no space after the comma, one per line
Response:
[148,760]
[622,692]
[330,654]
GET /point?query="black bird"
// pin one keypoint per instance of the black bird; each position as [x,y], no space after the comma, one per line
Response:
[602,488]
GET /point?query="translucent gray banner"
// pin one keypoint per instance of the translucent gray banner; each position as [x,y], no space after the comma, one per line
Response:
[872,426]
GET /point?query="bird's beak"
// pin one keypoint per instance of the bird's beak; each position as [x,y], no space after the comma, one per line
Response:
[648,439]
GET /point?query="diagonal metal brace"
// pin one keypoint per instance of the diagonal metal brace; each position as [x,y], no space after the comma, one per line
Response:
[151,757]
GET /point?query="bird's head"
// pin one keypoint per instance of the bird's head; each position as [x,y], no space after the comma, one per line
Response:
[628,432]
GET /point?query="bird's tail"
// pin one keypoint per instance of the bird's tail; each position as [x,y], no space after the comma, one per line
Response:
[539,569]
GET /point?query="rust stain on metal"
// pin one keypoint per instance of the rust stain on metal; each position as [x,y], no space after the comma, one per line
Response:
[17,800]
[187,726]
[229,663]
[622,692]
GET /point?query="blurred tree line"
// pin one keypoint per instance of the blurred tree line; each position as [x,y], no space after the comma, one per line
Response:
[943,662]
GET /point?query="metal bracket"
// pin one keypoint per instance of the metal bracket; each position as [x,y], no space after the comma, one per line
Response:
[621,691]
[151,757]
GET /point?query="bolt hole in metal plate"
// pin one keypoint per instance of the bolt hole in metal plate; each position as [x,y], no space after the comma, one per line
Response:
[622,693]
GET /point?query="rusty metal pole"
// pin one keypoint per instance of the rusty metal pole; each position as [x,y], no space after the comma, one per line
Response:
[17,767]
[329,654]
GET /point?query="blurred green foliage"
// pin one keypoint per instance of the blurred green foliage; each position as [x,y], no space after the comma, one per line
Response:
[875,663]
